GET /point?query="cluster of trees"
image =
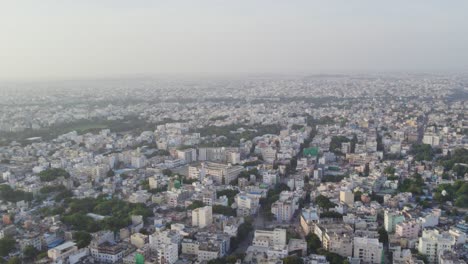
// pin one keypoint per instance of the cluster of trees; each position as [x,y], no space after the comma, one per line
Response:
[336,141]
[331,214]
[233,139]
[13,196]
[422,152]
[230,194]
[195,204]
[82,238]
[231,259]
[455,161]
[242,233]
[220,117]
[252,163]
[332,178]
[58,191]
[457,193]
[335,144]
[117,213]
[224,210]
[52,174]
[313,243]
[389,171]
[324,202]
[414,184]
[7,244]
[383,235]
[30,253]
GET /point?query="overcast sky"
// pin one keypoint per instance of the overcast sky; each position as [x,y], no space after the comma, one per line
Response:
[74,39]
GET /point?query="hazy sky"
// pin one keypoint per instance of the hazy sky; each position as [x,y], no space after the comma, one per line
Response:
[72,39]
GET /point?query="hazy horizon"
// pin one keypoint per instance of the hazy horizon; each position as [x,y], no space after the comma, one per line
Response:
[73,40]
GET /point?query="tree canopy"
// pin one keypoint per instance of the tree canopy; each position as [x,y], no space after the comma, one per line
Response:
[52,174]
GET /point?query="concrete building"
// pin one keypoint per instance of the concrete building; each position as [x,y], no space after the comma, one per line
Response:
[138,240]
[391,219]
[265,238]
[409,229]
[347,197]
[188,155]
[202,216]
[368,250]
[309,218]
[432,243]
[222,173]
[284,208]
[167,253]
[246,204]
[62,252]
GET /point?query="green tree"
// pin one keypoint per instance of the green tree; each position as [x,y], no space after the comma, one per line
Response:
[14,260]
[195,204]
[383,235]
[7,244]
[30,253]
[82,238]
[324,202]
[53,174]
[293,260]
[390,171]
[110,173]
[313,243]
[224,210]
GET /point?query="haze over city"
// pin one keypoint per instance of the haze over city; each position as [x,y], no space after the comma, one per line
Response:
[48,40]
[233,132]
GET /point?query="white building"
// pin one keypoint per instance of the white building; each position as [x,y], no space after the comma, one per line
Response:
[202,216]
[368,250]
[284,208]
[188,155]
[433,243]
[265,238]
[61,252]
[167,253]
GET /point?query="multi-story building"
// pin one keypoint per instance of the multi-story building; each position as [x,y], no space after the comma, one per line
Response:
[408,229]
[31,239]
[60,253]
[104,248]
[164,237]
[309,218]
[167,253]
[246,204]
[432,243]
[269,154]
[336,238]
[208,251]
[188,155]
[368,250]
[391,219]
[190,246]
[202,216]
[270,177]
[138,240]
[222,173]
[347,197]
[265,238]
[284,208]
